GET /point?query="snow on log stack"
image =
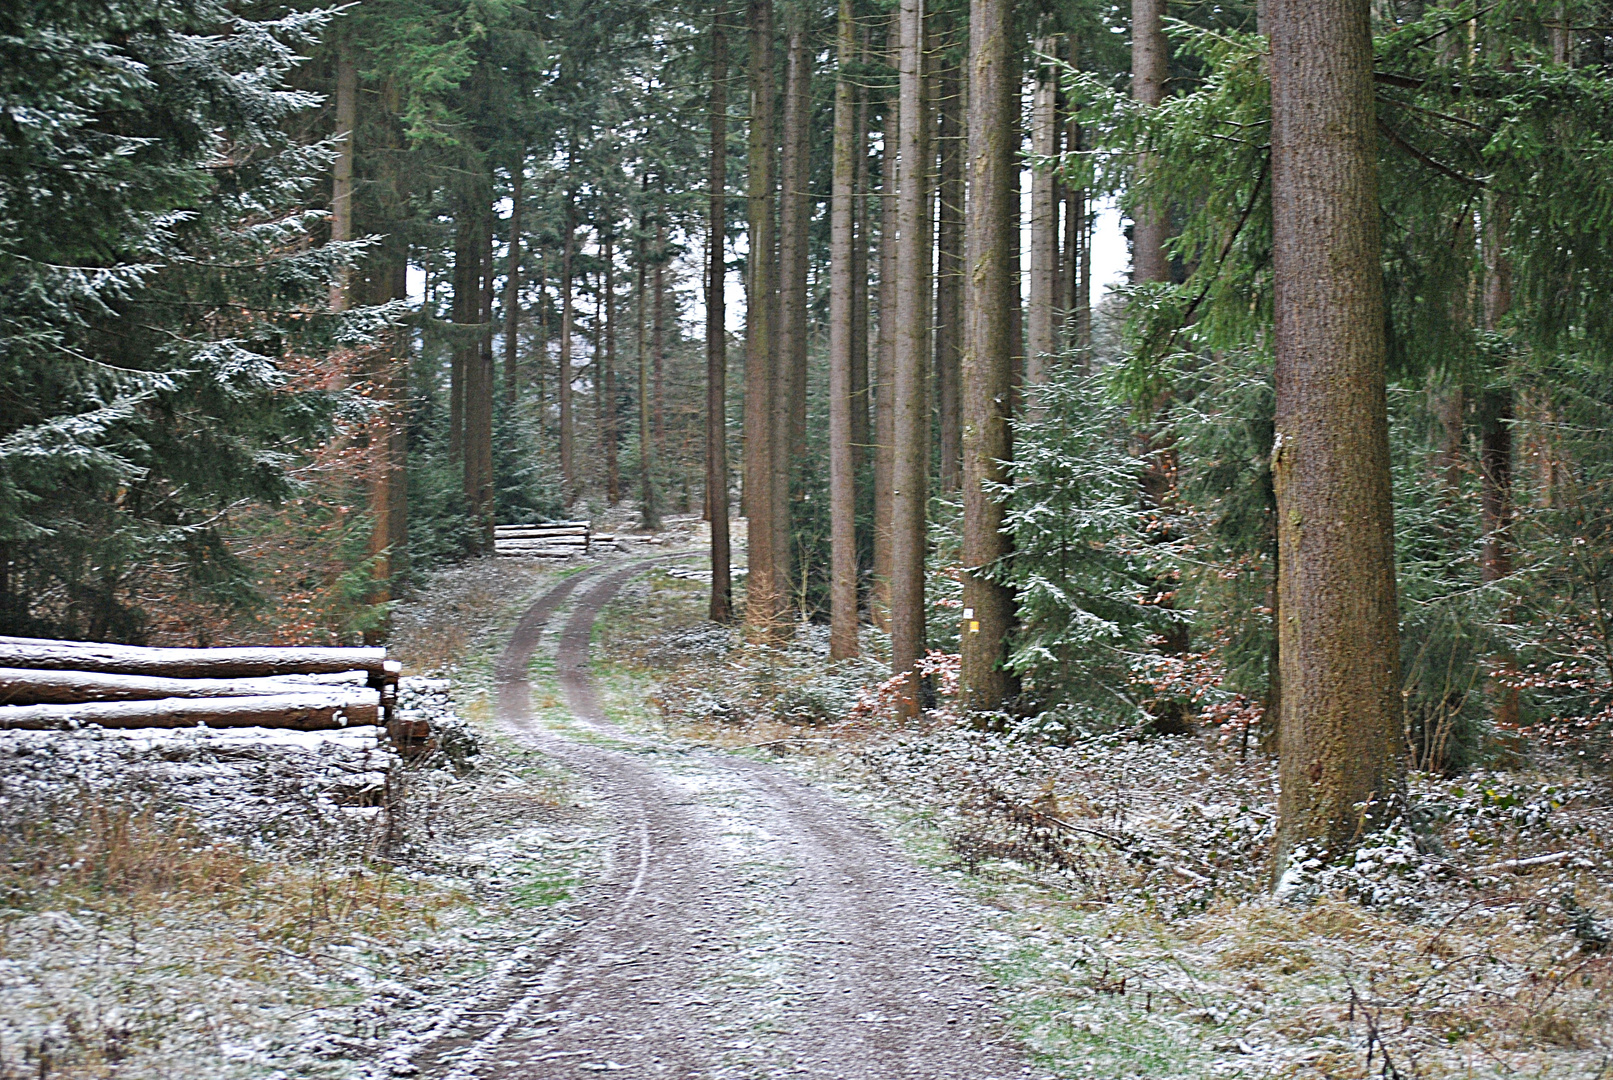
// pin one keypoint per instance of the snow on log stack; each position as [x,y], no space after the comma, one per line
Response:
[60,685]
[549,540]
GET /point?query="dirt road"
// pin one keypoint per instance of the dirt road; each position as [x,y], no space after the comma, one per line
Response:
[749,924]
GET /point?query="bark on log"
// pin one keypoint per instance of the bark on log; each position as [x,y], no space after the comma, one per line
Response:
[300,712]
[235,663]
[32,686]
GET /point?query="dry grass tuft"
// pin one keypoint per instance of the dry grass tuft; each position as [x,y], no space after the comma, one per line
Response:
[462,609]
[166,912]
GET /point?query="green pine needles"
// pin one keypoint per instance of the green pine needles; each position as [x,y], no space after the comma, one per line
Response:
[156,275]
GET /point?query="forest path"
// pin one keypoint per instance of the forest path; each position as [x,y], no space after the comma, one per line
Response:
[748,924]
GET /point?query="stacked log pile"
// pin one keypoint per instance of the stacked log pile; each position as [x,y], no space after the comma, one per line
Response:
[48,684]
[550,540]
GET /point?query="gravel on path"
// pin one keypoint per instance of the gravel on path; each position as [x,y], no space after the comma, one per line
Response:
[749,925]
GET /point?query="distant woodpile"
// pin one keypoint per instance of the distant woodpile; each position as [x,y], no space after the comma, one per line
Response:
[61,685]
[549,540]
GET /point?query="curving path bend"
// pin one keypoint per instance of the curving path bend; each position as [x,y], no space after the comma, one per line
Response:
[749,925]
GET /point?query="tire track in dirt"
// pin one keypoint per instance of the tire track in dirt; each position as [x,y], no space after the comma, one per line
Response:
[483,1017]
[748,925]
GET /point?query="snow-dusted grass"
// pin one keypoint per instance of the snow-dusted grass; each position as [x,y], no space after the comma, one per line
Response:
[199,904]
[1133,931]
[1159,921]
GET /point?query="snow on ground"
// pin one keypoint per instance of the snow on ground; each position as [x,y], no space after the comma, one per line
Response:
[221,904]
[200,904]
[1135,931]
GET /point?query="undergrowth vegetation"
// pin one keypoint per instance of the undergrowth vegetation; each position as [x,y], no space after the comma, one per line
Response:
[1138,934]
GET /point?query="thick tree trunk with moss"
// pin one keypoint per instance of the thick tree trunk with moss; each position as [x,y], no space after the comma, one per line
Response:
[721,606]
[988,607]
[1341,744]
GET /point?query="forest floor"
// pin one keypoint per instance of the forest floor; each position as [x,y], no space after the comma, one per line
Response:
[1129,927]
[647,847]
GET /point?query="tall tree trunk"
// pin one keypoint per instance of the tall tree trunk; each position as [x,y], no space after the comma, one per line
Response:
[721,608]
[1078,257]
[512,285]
[910,405]
[658,332]
[479,382]
[1560,37]
[842,304]
[386,279]
[1041,323]
[1150,59]
[988,607]
[885,359]
[649,497]
[1338,640]
[1016,279]
[568,252]
[341,195]
[396,472]
[542,363]
[463,312]
[1150,63]
[860,221]
[764,594]
[1078,233]
[789,405]
[794,223]
[1495,445]
[1447,401]
[596,368]
[608,413]
[949,279]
